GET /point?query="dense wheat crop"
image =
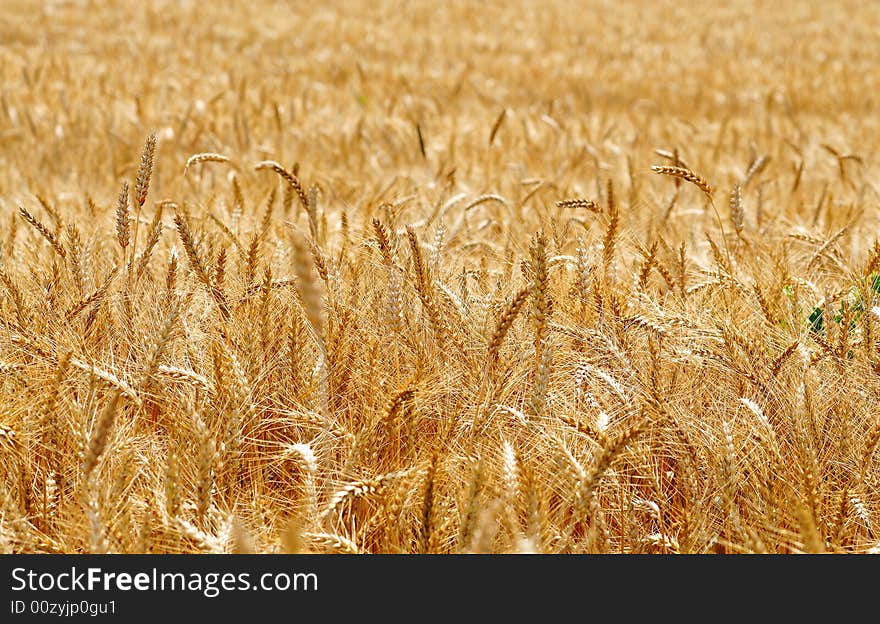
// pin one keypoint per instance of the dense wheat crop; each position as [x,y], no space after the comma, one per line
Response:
[439,278]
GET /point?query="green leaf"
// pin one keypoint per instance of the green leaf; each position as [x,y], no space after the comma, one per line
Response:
[817,324]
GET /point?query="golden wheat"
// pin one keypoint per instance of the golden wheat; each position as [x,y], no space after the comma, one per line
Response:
[451,308]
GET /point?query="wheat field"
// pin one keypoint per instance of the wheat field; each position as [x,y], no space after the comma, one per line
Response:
[406,277]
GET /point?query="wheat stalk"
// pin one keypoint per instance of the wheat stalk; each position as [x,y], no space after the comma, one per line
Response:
[204,157]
